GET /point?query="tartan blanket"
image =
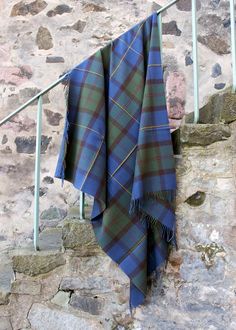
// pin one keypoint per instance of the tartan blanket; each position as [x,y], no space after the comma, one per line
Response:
[117,148]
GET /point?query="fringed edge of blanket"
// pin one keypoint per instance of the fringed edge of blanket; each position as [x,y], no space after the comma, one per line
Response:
[169,196]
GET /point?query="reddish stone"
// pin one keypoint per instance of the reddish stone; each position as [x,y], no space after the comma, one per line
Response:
[15,75]
[175,90]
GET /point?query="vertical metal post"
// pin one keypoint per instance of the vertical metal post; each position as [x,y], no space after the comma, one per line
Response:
[81,205]
[37,173]
[195,62]
[233,42]
[160,31]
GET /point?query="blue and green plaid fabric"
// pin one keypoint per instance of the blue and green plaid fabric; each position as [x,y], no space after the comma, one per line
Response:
[117,148]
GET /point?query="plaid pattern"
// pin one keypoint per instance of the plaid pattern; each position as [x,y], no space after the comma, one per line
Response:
[117,147]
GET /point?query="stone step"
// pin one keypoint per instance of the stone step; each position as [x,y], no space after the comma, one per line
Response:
[6,278]
[200,134]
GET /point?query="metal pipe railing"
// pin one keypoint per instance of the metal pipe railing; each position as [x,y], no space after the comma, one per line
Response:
[39,96]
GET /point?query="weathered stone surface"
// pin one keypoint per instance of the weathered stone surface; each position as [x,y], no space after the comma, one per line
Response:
[78,26]
[33,8]
[44,38]
[48,179]
[185,5]
[42,190]
[216,70]
[28,92]
[91,305]
[61,298]
[53,118]
[53,213]
[215,43]
[15,75]
[196,199]
[221,107]
[176,90]
[219,86]
[87,7]
[55,59]
[5,323]
[26,287]
[6,278]
[4,139]
[59,10]
[50,239]
[21,123]
[88,285]
[171,28]
[27,145]
[203,134]
[209,253]
[79,235]
[43,317]
[35,263]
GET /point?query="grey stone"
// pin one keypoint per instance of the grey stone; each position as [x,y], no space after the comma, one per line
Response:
[185,5]
[196,199]
[87,7]
[29,92]
[61,298]
[79,235]
[188,60]
[5,323]
[215,43]
[50,239]
[53,118]
[203,134]
[216,70]
[27,144]
[48,179]
[215,3]
[44,38]
[55,59]
[33,263]
[43,317]
[6,278]
[226,22]
[91,305]
[78,26]
[219,86]
[221,107]
[26,287]
[53,213]
[4,139]
[42,190]
[88,285]
[33,8]
[171,28]
[59,10]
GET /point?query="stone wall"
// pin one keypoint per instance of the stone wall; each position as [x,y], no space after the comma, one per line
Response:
[71,284]
[41,39]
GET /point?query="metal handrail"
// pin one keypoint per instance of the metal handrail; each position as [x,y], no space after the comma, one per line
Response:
[38,97]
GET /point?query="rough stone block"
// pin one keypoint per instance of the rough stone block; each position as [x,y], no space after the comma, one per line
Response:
[203,134]
[26,287]
[6,278]
[91,305]
[79,235]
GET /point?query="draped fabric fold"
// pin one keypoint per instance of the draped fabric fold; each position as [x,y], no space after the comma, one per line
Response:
[117,148]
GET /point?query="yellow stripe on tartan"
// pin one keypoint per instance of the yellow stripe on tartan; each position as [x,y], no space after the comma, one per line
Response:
[135,51]
[89,71]
[120,106]
[123,161]
[86,127]
[112,177]
[92,163]
[151,65]
[150,127]
[126,51]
